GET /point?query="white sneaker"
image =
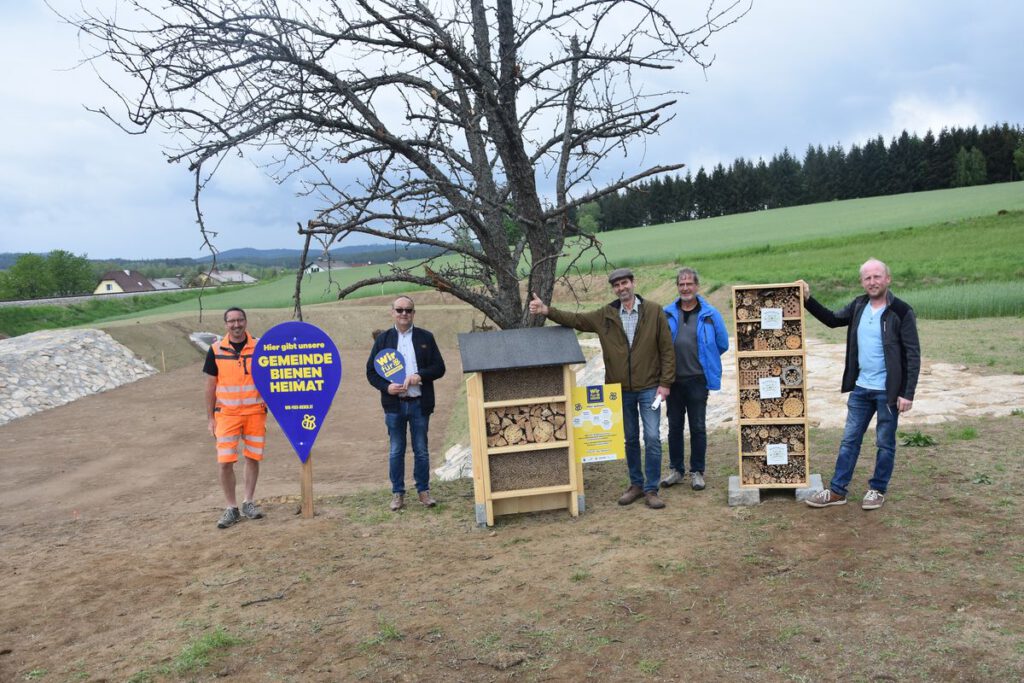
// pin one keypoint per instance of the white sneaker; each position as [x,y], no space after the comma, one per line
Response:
[873,500]
[697,481]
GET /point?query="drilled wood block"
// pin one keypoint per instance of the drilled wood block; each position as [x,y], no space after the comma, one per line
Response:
[529,469]
[522,383]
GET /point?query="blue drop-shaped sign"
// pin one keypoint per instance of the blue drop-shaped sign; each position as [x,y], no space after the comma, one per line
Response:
[297,369]
[390,364]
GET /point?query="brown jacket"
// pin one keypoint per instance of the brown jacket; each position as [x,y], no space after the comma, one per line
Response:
[650,362]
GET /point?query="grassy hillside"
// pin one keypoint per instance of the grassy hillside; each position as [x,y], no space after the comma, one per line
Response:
[945,255]
[682,241]
[930,239]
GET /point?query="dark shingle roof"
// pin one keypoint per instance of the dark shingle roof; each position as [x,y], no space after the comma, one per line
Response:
[524,348]
[129,280]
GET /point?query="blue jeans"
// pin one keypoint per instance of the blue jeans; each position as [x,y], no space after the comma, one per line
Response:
[636,406]
[861,406]
[409,414]
[689,398]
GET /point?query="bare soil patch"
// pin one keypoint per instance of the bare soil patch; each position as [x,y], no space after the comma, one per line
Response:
[111,565]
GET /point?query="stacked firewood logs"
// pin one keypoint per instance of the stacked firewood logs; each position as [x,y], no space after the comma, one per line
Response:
[516,425]
[757,471]
[751,337]
[750,303]
[755,437]
[753,407]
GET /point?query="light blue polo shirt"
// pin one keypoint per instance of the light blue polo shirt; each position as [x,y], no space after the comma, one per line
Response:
[870,357]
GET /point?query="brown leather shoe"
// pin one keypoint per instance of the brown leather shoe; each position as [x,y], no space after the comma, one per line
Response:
[397,502]
[653,501]
[631,495]
[426,499]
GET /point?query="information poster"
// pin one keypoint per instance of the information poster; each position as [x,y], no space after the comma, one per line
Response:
[778,453]
[771,318]
[297,369]
[770,387]
[597,423]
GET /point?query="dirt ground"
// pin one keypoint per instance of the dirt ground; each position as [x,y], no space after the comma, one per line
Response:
[112,568]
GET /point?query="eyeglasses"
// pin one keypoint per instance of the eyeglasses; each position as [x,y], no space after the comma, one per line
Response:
[410,311]
[232,321]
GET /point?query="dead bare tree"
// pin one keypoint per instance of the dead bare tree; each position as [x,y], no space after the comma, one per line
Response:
[475,126]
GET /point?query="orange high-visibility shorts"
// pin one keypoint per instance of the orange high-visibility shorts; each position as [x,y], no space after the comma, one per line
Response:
[250,429]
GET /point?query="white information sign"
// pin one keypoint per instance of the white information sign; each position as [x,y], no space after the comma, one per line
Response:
[771,387]
[771,318]
[778,453]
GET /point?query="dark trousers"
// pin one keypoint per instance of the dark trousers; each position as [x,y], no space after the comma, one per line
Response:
[688,399]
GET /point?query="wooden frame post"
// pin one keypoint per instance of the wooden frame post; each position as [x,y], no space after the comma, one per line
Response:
[307,488]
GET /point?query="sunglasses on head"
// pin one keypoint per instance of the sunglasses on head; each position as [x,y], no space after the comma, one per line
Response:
[405,310]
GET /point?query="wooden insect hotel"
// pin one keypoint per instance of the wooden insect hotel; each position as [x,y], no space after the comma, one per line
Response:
[771,386]
[520,420]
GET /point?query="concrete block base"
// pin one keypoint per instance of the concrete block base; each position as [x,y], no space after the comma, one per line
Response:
[740,496]
[813,486]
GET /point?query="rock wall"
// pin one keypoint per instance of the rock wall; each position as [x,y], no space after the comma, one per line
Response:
[47,369]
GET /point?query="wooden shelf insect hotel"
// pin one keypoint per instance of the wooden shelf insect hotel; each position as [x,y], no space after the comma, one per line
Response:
[520,420]
[771,386]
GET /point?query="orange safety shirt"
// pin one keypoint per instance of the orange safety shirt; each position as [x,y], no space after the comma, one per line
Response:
[236,392]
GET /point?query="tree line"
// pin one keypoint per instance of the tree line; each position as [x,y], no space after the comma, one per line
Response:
[957,157]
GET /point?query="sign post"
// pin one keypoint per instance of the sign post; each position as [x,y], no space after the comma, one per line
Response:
[297,369]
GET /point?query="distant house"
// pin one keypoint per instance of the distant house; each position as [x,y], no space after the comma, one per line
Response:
[120,281]
[323,266]
[227,277]
[166,283]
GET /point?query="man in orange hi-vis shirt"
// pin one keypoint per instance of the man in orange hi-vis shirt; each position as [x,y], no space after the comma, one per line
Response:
[235,412]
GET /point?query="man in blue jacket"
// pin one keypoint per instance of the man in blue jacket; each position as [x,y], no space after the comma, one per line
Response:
[883,359]
[408,405]
[699,338]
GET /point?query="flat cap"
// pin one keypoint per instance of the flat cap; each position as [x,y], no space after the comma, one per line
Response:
[620,273]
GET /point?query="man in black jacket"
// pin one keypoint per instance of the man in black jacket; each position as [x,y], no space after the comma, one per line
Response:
[409,404]
[883,359]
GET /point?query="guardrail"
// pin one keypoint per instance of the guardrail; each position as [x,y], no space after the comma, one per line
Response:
[66,300]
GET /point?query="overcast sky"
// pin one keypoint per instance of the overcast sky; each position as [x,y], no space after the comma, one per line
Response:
[791,73]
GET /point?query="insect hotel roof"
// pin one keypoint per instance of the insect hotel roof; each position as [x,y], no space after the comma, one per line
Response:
[523,348]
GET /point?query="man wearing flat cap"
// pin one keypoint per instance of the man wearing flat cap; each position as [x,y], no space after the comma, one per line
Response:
[638,354]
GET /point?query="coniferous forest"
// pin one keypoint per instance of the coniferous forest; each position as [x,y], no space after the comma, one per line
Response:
[957,157]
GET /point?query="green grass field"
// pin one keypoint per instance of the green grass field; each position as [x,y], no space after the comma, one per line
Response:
[933,241]
[928,258]
[683,241]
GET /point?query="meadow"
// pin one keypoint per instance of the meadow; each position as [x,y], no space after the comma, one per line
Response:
[685,240]
[934,241]
[930,264]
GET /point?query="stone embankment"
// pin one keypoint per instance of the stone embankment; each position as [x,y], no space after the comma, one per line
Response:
[47,369]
